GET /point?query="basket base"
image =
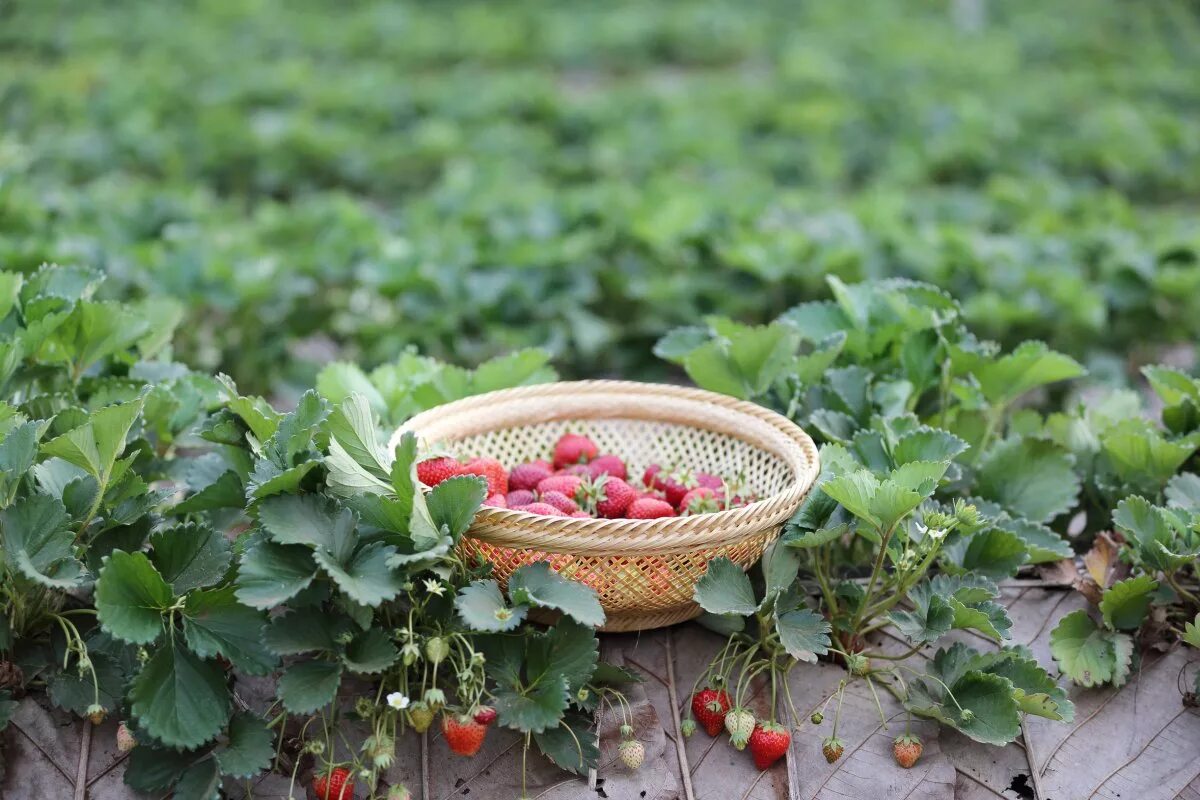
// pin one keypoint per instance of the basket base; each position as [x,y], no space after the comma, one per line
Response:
[629,621]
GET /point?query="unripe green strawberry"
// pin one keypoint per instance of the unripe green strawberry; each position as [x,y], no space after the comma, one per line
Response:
[740,724]
[420,717]
[436,649]
[688,727]
[817,718]
[399,792]
[632,752]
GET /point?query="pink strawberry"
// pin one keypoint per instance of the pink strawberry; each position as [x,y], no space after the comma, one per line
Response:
[496,501]
[491,470]
[608,465]
[581,514]
[541,508]
[521,497]
[560,501]
[710,481]
[573,448]
[564,484]
[649,508]
[701,500]
[433,471]
[527,476]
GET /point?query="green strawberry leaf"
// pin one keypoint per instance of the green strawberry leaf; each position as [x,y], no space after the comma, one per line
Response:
[1030,478]
[95,445]
[928,444]
[804,540]
[725,589]
[180,699]
[568,649]
[248,749]
[931,618]
[780,567]
[340,380]
[483,608]
[1034,690]
[39,544]
[1042,544]
[1141,456]
[268,479]
[453,503]
[1191,632]
[227,491]
[538,585]
[994,713]
[1088,654]
[75,692]
[1031,365]
[993,553]
[990,619]
[1183,491]
[303,631]
[131,597]
[18,452]
[155,769]
[571,745]
[804,634]
[309,519]
[366,576]
[190,556]
[1125,603]
[856,492]
[1149,528]
[215,623]
[370,653]
[270,574]
[308,685]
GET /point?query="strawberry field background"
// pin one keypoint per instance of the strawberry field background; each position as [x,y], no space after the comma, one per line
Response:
[358,212]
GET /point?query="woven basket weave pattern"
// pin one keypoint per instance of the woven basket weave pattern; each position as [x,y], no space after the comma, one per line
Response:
[644,571]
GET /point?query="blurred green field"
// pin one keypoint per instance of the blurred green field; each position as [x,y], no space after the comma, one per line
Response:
[315,178]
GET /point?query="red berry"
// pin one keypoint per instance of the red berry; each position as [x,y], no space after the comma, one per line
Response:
[521,497]
[496,501]
[608,465]
[701,500]
[527,476]
[433,471]
[769,743]
[463,733]
[560,501]
[564,484]
[616,498]
[649,508]
[485,715]
[709,707]
[906,750]
[667,483]
[541,508]
[573,448]
[490,469]
[337,784]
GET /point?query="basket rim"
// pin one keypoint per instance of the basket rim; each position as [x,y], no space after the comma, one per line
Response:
[511,528]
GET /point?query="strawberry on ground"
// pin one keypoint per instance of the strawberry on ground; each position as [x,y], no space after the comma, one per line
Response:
[491,470]
[337,784]
[832,748]
[541,508]
[125,740]
[463,733]
[560,501]
[573,448]
[608,465]
[768,743]
[709,707]
[520,497]
[433,471]
[527,476]
[906,750]
[497,501]
[632,752]
[649,508]
[566,484]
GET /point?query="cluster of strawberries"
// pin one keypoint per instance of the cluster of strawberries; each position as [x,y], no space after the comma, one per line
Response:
[769,741]
[582,482]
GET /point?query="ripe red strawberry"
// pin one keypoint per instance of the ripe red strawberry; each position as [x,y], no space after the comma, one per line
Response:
[560,501]
[541,508]
[768,744]
[608,465]
[613,496]
[566,484]
[580,515]
[906,750]
[496,501]
[337,784]
[433,471]
[580,470]
[485,715]
[649,508]
[527,476]
[709,707]
[701,500]
[463,733]
[573,448]
[520,497]
[490,469]
[832,748]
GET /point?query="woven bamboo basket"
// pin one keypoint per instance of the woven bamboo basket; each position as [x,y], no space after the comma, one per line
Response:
[644,571]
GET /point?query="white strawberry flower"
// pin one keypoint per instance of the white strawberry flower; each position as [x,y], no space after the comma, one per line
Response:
[398,700]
